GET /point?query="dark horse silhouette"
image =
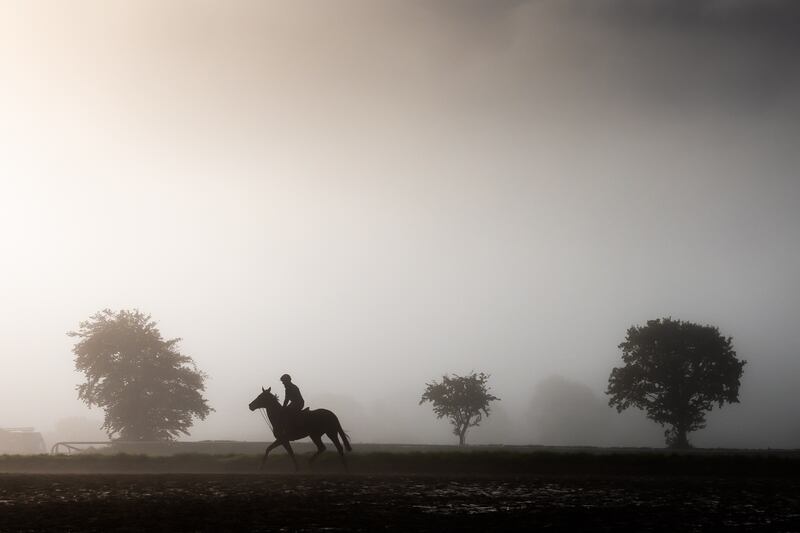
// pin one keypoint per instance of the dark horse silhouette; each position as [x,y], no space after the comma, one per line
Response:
[314,424]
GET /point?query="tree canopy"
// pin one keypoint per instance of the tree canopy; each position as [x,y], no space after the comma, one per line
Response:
[675,371]
[462,399]
[149,390]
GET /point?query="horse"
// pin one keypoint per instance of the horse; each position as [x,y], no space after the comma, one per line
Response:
[308,423]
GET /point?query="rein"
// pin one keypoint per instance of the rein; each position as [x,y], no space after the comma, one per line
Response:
[263,412]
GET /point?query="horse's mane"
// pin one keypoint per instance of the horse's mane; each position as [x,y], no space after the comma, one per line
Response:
[274,396]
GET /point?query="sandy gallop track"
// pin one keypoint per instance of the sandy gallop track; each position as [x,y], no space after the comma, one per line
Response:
[200,502]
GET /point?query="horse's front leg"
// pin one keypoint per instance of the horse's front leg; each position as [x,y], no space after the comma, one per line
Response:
[269,449]
[289,450]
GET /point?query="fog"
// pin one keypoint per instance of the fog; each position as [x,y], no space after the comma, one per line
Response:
[368,195]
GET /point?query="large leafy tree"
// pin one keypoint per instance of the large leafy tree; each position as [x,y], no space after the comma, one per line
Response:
[675,371]
[462,399]
[149,390]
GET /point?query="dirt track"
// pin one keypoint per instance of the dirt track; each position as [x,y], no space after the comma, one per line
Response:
[201,502]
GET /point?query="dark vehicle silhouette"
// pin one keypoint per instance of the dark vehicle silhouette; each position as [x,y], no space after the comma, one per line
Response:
[307,423]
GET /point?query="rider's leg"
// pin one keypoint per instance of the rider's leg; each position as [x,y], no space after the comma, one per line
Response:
[292,414]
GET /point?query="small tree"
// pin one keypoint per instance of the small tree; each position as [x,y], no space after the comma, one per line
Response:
[149,390]
[462,399]
[675,371]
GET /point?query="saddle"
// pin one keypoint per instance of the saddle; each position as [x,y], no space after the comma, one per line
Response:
[293,422]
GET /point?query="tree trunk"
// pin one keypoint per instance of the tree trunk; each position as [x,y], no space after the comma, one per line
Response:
[681,440]
[678,439]
[462,436]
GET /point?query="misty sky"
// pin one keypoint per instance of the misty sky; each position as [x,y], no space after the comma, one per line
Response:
[368,194]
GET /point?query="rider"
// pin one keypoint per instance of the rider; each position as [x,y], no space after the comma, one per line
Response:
[292,401]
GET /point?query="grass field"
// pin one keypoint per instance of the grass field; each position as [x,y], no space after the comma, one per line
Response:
[497,461]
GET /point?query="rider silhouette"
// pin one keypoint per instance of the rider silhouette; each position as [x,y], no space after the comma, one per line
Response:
[292,401]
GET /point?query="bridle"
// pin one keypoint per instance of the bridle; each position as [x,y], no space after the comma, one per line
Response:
[263,411]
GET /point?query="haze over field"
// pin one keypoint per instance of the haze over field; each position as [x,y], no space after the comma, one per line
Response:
[369,194]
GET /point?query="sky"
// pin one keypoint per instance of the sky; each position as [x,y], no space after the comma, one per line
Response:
[370,194]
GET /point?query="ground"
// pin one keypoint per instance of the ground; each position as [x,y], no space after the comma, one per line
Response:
[260,502]
[402,489]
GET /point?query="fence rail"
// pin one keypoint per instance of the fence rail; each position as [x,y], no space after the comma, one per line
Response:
[162,447]
[72,446]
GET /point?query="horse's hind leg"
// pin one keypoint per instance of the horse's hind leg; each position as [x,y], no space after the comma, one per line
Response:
[317,439]
[335,438]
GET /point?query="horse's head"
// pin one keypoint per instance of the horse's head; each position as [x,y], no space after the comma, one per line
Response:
[263,400]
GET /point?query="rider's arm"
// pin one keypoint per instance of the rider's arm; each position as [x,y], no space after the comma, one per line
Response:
[286,400]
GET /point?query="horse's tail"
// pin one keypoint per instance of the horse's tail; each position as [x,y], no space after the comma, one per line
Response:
[345,438]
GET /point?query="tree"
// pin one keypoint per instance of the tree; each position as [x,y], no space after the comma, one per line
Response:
[462,399]
[569,413]
[149,390]
[675,371]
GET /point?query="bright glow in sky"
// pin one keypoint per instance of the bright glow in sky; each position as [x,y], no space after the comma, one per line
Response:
[370,195]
